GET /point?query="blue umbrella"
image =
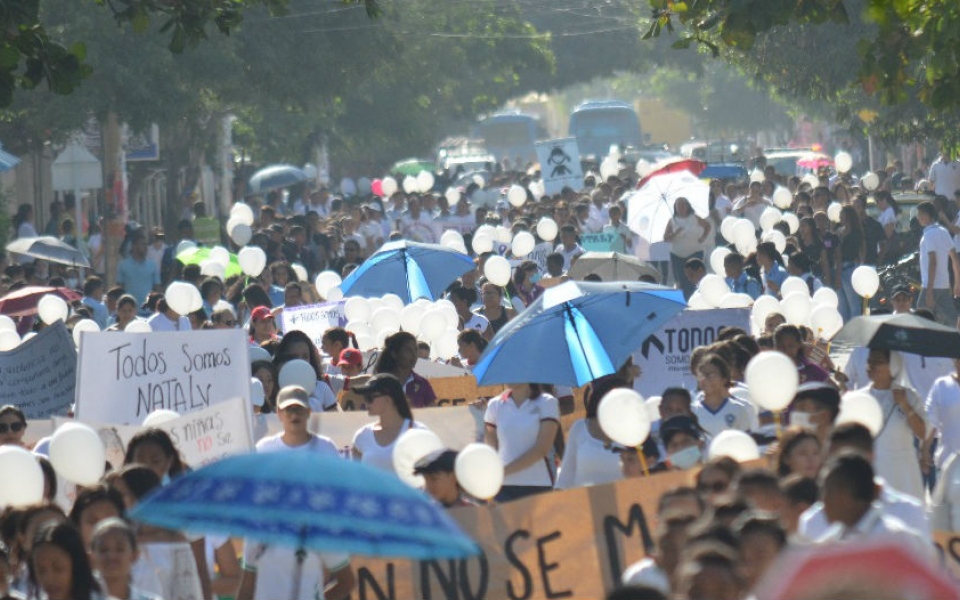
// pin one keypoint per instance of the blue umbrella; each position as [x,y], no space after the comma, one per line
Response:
[275,177]
[576,332]
[308,501]
[410,270]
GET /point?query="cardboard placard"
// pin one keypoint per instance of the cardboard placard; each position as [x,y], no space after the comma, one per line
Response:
[560,165]
[313,319]
[122,377]
[598,242]
[39,375]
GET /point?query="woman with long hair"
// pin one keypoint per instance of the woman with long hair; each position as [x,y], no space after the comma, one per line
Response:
[398,357]
[588,458]
[523,287]
[114,551]
[59,565]
[849,255]
[771,268]
[810,244]
[385,398]
[153,448]
[686,233]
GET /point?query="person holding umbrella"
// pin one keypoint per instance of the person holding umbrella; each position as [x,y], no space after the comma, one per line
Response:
[686,233]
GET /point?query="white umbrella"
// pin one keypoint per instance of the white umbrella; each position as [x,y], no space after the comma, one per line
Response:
[650,208]
[50,249]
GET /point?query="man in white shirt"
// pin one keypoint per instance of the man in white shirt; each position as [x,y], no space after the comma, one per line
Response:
[945,174]
[936,249]
[293,409]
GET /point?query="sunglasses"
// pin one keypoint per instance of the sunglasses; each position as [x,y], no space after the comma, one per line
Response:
[713,486]
[14,427]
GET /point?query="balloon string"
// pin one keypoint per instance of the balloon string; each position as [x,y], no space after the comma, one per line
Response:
[643,460]
[776,419]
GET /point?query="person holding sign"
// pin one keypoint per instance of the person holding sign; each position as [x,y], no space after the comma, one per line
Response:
[385,399]
[293,408]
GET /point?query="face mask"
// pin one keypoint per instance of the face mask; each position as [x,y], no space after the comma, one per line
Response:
[535,277]
[165,479]
[686,458]
[802,420]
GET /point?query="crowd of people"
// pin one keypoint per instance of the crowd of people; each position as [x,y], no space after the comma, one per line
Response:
[820,482]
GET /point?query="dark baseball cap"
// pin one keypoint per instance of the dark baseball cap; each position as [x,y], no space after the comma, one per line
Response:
[901,289]
[382,383]
[436,462]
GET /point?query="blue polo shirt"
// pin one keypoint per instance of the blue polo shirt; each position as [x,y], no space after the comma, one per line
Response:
[138,277]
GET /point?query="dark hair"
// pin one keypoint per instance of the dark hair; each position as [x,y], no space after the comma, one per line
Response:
[66,537]
[854,472]
[254,296]
[717,361]
[677,391]
[725,465]
[340,336]
[472,336]
[760,479]
[208,285]
[852,435]
[636,592]
[91,284]
[748,343]
[728,332]
[799,490]
[769,250]
[733,259]
[929,209]
[786,329]
[161,438]
[127,299]
[110,525]
[282,355]
[397,395]
[139,479]
[601,388]
[88,496]
[387,361]
[269,402]
[49,478]
[694,264]
[792,438]
[667,498]
[755,522]
[14,410]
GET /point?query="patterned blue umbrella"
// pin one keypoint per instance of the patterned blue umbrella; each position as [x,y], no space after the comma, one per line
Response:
[275,177]
[576,332]
[308,501]
[410,270]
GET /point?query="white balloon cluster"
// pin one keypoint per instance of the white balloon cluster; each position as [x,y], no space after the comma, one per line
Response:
[372,320]
[713,291]
[818,312]
[183,298]
[421,183]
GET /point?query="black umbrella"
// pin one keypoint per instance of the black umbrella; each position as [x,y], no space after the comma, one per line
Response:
[904,332]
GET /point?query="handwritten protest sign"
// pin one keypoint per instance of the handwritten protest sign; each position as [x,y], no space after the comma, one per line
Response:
[122,377]
[664,357]
[39,375]
[565,544]
[560,165]
[540,253]
[313,319]
[599,242]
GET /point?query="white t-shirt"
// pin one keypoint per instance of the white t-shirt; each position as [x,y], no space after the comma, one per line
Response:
[478,322]
[587,460]
[895,457]
[322,397]
[517,431]
[943,414]
[856,368]
[813,523]
[732,414]
[887,217]
[318,443]
[275,566]
[945,175]
[923,371]
[161,322]
[372,453]
[936,239]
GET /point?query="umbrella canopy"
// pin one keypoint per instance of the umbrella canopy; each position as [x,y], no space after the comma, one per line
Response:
[576,332]
[410,270]
[611,266]
[23,302]
[684,165]
[412,166]
[815,160]
[275,177]
[50,249]
[309,501]
[650,208]
[197,255]
[903,332]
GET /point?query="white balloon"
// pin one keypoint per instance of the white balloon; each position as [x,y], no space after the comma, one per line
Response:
[24,481]
[83,325]
[386,318]
[374,304]
[734,444]
[497,270]
[547,229]
[763,307]
[211,268]
[159,417]
[756,176]
[7,324]
[252,260]
[743,232]
[242,213]
[257,395]
[446,345]
[410,184]
[452,195]
[865,281]
[326,280]
[9,340]
[523,244]
[736,301]
[410,318]
[516,195]
[747,246]
[833,211]
[138,326]
[644,168]
[300,271]
[726,228]
[713,288]
[811,180]
[772,379]
[482,242]
[769,217]
[449,313]
[241,234]
[334,294]
[861,407]
[298,372]
[716,260]
[185,245]
[826,296]
[479,180]
[179,297]
[220,255]
[698,302]
[257,353]
[357,309]
[77,453]
[425,181]
[782,198]
[624,417]
[779,240]
[479,470]
[503,234]
[366,342]
[843,162]
[382,336]
[52,308]
[793,284]
[411,446]
[796,307]
[870,181]
[432,324]
[792,220]
[358,328]
[392,301]
[28,336]
[610,167]
[825,321]
[389,186]
[653,408]
[451,235]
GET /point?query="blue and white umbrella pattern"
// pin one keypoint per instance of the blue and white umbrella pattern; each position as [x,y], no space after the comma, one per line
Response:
[410,270]
[576,332]
[275,177]
[308,501]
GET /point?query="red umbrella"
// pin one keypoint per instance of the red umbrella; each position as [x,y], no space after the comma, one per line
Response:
[694,166]
[23,302]
[881,569]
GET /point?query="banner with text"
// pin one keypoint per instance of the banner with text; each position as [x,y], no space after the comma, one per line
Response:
[39,375]
[565,544]
[122,377]
[313,319]
[664,357]
[540,253]
[600,242]
[560,165]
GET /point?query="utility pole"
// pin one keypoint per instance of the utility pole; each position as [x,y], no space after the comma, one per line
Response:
[114,218]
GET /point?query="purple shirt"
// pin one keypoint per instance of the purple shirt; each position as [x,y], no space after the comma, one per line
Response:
[811,371]
[419,391]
